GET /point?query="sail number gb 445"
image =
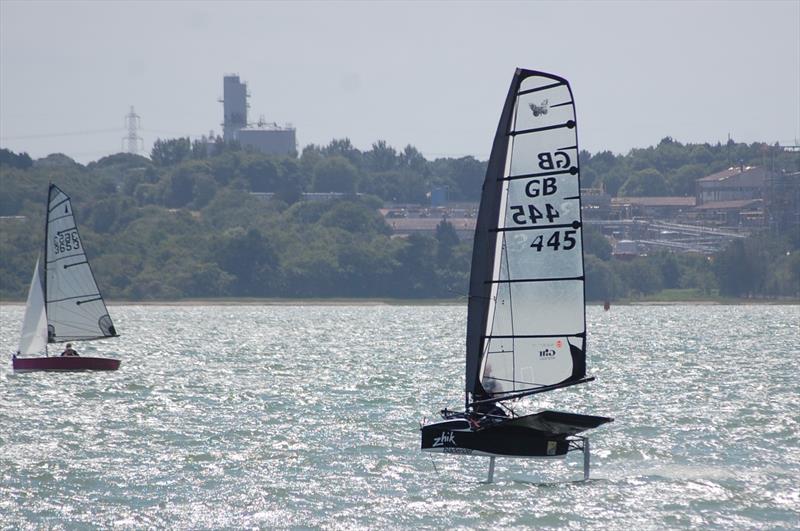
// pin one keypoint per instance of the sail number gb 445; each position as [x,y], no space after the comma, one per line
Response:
[520,214]
[531,214]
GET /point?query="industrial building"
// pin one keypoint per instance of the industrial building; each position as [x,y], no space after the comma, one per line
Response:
[271,139]
[234,107]
[734,184]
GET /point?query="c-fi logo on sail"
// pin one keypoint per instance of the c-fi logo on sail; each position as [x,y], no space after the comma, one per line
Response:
[447,438]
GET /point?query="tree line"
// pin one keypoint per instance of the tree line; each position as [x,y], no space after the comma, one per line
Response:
[183,223]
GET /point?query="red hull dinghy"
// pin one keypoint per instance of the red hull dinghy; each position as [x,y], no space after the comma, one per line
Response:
[64,302]
[65,363]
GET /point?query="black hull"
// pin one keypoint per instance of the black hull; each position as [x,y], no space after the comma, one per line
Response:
[544,434]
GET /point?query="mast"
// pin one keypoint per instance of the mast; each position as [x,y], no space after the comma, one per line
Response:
[483,247]
[44,265]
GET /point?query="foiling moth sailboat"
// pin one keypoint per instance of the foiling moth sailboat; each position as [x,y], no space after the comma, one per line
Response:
[526,322]
[67,305]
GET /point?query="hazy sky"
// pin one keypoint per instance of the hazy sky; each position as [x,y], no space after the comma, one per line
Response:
[430,74]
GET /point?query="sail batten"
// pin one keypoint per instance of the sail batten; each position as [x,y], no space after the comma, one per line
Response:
[572,171]
[526,320]
[568,125]
[550,279]
[556,226]
[539,89]
[531,336]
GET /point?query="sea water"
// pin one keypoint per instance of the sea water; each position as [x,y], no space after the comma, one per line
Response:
[307,416]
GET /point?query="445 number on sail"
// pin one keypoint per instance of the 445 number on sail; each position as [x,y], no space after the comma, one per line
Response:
[555,241]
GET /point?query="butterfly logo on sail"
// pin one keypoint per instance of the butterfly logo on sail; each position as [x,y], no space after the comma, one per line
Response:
[541,109]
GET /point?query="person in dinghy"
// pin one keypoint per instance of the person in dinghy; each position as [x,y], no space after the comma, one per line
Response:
[486,414]
[69,351]
[482,414]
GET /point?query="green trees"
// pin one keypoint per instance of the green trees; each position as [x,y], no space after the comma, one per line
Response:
[446,240]
[343,148]
[185,223]
[261,173]
[290,182]
[595,243]
[735,271]
[762,265]
[250,260]
[418,272]
[671,168]
[335,174]
[14,160]
[12,197]
[168,152]
[463,177]
[647,182]
[189,182]
[682,181]
[381,157]
[396,186]
[602,283]
[353,217]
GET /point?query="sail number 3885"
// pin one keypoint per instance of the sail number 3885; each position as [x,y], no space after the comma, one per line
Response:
[63,243]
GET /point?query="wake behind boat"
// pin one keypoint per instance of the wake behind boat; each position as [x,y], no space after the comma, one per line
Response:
[67,305]
[526,325]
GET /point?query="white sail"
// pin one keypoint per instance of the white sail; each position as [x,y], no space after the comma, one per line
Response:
[535,329]
[75,308]
[33,338]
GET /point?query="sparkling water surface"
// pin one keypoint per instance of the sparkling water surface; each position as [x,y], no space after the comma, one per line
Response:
[308,417]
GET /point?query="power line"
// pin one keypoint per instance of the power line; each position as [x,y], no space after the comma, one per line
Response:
[176,133]
[71,133]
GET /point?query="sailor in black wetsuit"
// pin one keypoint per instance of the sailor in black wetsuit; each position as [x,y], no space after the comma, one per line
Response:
[487,413]
[69,351]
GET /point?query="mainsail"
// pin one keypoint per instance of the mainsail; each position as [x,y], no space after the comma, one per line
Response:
[75,308]
[526,318]
[33,338]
